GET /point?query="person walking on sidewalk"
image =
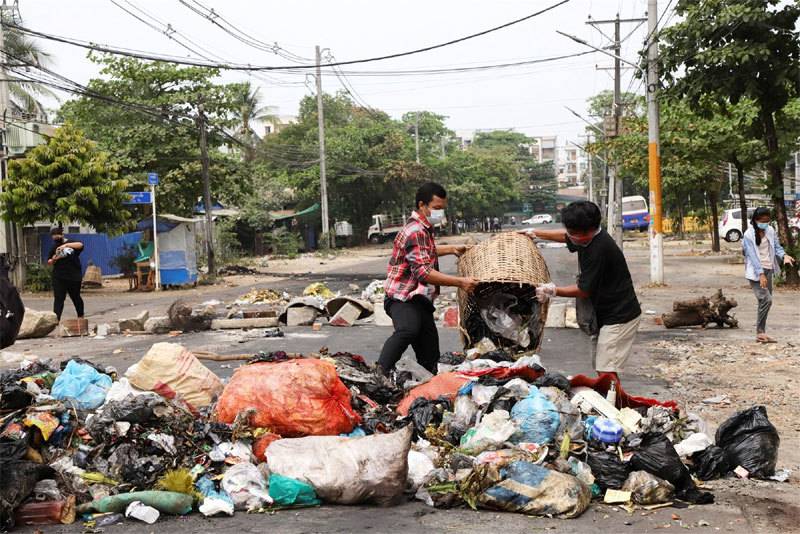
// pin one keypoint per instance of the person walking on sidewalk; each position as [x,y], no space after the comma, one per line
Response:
[761,252]
[66,276]
[610,313]
[413,283]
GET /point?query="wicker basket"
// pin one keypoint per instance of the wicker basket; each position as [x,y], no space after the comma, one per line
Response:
[93,277]
[508,263]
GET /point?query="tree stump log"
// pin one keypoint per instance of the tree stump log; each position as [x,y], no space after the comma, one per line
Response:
[701,311]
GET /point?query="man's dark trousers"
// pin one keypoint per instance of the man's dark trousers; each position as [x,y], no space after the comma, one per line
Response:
[413,325]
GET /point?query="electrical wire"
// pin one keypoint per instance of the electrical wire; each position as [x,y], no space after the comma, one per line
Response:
[212,16]
[251,67]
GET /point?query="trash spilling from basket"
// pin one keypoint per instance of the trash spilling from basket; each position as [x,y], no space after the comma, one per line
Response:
[492,431]
[503,309]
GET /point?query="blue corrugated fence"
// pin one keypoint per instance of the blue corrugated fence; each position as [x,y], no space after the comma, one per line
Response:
[99,248]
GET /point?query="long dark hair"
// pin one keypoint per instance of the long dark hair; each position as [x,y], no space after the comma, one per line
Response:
[760,212]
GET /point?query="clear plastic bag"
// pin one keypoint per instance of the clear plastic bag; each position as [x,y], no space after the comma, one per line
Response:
[503,322]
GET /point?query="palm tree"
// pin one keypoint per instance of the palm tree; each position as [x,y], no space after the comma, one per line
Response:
[25,96]
[248,100]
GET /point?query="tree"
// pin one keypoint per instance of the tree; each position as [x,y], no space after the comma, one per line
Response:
[734,49]
[433,134]
[535,182]
[19,49]
[147,123]
[248,108]
[66,180]
[478,182]
[370,160]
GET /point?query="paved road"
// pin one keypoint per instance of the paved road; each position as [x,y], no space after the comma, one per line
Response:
[564,350]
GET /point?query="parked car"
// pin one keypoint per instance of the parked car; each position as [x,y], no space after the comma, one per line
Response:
[730,225]
[542,218]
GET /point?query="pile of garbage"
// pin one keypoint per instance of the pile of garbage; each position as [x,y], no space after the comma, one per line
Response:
[82,443]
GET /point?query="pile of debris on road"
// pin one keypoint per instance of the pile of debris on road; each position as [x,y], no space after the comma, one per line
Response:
[488,431]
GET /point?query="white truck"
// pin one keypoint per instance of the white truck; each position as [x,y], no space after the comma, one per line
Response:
[386,227]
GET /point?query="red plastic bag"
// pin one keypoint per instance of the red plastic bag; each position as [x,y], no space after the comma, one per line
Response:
[501,373]
[602,385]
[261,443]
[446,384]
[295,398]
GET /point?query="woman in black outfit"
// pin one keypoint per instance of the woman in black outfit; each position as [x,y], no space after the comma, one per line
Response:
[64,257]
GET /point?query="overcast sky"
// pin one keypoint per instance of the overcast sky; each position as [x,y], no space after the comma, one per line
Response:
[529,99]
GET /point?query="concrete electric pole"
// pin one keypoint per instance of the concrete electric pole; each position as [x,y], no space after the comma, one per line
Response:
[654,148]
[416,134]
[212,264]
[614,182]
[323,182]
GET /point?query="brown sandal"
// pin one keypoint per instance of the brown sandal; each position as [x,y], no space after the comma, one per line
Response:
[765,339]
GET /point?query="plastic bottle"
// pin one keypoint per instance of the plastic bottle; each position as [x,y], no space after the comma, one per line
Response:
[40,513]
[611,396]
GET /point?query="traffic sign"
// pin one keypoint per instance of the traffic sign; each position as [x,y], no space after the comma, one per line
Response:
[140,198]
[152,178]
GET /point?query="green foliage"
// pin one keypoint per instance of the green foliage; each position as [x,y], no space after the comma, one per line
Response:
[227,249]
[479,182]
[285,242]
[67,180]
[725,51]
[125,260]
[38,277]
[369,161]
[24,95]
[167,143]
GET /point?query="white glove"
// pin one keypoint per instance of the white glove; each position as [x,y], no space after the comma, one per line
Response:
[545,292]
[529,232]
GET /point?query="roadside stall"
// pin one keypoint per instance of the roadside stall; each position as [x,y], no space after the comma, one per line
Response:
[176,248]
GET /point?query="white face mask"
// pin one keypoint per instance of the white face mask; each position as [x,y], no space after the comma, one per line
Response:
[436,217]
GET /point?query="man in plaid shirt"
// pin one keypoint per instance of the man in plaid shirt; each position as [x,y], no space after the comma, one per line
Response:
[413,282]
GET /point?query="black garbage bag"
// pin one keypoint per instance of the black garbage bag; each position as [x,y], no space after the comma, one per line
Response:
[12,450]
[653,452]
[710,463]
[452,358]
[18,479]
[148,410]
[608,470]
[555,380]
[424,412]
[14,397]
[750,441]
[498,356]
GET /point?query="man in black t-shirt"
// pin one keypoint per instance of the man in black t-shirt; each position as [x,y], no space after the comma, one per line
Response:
[64,257]
[604,279]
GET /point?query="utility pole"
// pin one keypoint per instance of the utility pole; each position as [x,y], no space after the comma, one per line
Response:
[416,133]
[212,264]
[323,182]
[654,149]
[614,181]
[617,115]
[443,141]
[589,170]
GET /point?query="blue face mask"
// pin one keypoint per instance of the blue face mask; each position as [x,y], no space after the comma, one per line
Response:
[763,226]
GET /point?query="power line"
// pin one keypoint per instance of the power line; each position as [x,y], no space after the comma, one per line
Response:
[250,67]
[212,16]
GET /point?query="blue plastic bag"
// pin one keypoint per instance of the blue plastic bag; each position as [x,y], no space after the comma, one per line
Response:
[532,489]
[83,384]
[357,432]
[536,417]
